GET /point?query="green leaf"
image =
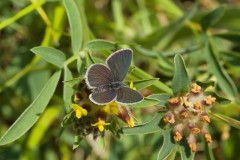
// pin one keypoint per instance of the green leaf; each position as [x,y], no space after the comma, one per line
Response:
[77,140]
[158,86]
[224,80]
[147,102]
[99,44]
[163,98]
[68,119]
[29,117]
[206,84]
[180,84]
[154,125]
[67,91]
[76,26]
[168,146]
[141,84]
[51,55]
[212,18]
[232,122]
[231,36]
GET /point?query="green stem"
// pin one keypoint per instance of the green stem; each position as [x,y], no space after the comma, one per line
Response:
[20,74]
[21,14]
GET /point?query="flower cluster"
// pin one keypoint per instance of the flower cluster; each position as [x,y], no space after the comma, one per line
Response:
[188,114]
[89,118]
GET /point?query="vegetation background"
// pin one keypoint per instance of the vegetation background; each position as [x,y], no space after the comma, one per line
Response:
[155,29]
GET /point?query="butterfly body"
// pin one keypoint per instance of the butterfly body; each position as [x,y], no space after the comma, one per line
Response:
[106,81]
[113,85]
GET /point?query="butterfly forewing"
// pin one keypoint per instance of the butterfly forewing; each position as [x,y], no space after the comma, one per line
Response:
[128,96]
[102,98]
[119,63]
[97,75]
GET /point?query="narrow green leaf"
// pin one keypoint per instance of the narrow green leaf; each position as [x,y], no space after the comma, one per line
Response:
[75,22]
[147,102]
[185,150]
[231,36]
[232,122]
[141,84]
[161,37]
[212,18]
[51,55]
[99,44]
[154,125]
[29,117]
[224,80]
[208,151]
[67,91]
[180,84]
[42,126]
[168,146]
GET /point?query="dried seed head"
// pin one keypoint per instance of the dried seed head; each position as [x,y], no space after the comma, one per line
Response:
[177,136]
[174,101]
[208,138]
[193,147]
[186,103]
[195,88]
[205,118]
[169,118]
[198,106]
[183,114]
[209,100]
[194,129]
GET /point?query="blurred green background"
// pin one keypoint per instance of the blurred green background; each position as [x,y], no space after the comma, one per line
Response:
[155,29]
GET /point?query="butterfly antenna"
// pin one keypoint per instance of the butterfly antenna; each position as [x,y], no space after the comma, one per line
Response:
[130,72]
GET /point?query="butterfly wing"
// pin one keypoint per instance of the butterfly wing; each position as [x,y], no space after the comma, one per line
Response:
[97,75]
[128,96]
[119,63]
[102,98]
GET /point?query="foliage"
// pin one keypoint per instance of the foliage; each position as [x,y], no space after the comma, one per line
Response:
[47,46]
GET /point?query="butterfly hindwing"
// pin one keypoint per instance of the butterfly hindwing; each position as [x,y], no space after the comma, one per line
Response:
[102,98]
[127,95]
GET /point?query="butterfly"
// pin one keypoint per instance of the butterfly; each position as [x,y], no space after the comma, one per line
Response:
[106,81]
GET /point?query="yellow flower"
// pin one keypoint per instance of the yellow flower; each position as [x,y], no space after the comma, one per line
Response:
[131,86]
[111,108]
[100,124]
[79,110]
